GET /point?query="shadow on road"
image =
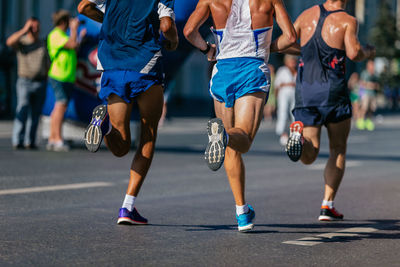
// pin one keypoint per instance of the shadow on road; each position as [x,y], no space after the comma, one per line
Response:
[335,227]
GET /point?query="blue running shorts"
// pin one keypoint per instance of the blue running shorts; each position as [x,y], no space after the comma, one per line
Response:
[125,84]
[315,116]
[233,78]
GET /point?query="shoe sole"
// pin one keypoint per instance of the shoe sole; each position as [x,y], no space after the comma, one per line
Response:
[294,146]
[128,221]
[246,228]
[215,151]
[324,218]
[93,135]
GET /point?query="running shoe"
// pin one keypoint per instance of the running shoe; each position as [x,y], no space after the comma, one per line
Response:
[369,125]
[97,129]
[217,142]
[130,217]
[360,124]
[60,147]
[245,221]
[294,146]
[329,214]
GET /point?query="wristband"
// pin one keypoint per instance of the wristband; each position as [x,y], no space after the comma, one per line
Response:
[205,51]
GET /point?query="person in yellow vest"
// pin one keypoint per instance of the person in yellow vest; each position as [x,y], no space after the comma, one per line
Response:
[62,73]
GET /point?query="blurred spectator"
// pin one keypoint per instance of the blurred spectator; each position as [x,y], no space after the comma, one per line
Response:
[33,65]
[62,72]
[354,87]
[368,92]
[285,85]
[270,107]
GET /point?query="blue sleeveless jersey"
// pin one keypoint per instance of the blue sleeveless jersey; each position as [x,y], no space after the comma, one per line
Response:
[321,80]
[129,37]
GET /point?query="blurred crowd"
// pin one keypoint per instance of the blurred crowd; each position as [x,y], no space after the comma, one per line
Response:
[53,61]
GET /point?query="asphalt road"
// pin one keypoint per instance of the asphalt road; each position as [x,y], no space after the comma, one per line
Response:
[61,208]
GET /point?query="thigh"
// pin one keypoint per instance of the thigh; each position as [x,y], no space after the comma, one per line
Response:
[22,93]
[248,112]
[338,133]
[38,97]
[120,114]
[150,105]
[313,135]
[224,113]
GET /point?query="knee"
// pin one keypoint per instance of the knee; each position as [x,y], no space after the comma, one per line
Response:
[231,158]
[308,160]
[337,149]
[122,148]
[121,152]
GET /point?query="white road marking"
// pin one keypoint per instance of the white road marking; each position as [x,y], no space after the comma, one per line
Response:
[5,134]
[358,139]
[53,188]
[319,239]
[321,166]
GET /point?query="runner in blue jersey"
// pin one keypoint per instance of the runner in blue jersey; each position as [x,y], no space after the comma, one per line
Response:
[327,35]
[130,58]
[240,81]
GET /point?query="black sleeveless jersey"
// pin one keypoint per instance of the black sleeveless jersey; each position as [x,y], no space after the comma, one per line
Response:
[321,77]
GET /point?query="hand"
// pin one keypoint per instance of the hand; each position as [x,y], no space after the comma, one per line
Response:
[371,50]
[74,24]
[170,45]
[212,53]
[82,34]
[27,27]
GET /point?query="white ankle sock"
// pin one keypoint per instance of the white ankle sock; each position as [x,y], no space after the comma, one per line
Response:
[327,203]
[129,202]
[242,209]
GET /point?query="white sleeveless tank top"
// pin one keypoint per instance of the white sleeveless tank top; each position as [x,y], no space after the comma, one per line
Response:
[238,39]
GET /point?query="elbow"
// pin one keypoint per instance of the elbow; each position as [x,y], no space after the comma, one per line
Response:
[9,43]
[353,55]
[292,38]
[188,31]
[83,5]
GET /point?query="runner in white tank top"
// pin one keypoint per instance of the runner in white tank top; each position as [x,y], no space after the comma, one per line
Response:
[240,81]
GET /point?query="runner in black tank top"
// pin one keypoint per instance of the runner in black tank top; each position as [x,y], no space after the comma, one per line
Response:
[321,79]
[321,91]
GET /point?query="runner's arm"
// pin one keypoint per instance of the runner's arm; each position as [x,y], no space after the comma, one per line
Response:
[90,10]
[167,24]
[295,49]
[191,30]
[354,50]
[288,36]
[168,28]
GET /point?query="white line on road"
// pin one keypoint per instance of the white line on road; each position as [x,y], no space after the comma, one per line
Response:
[53,188]
[5,134]
[319,239]
[321,166]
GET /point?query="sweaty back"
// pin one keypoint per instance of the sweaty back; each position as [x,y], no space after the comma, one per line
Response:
[238,39]
[321,76]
